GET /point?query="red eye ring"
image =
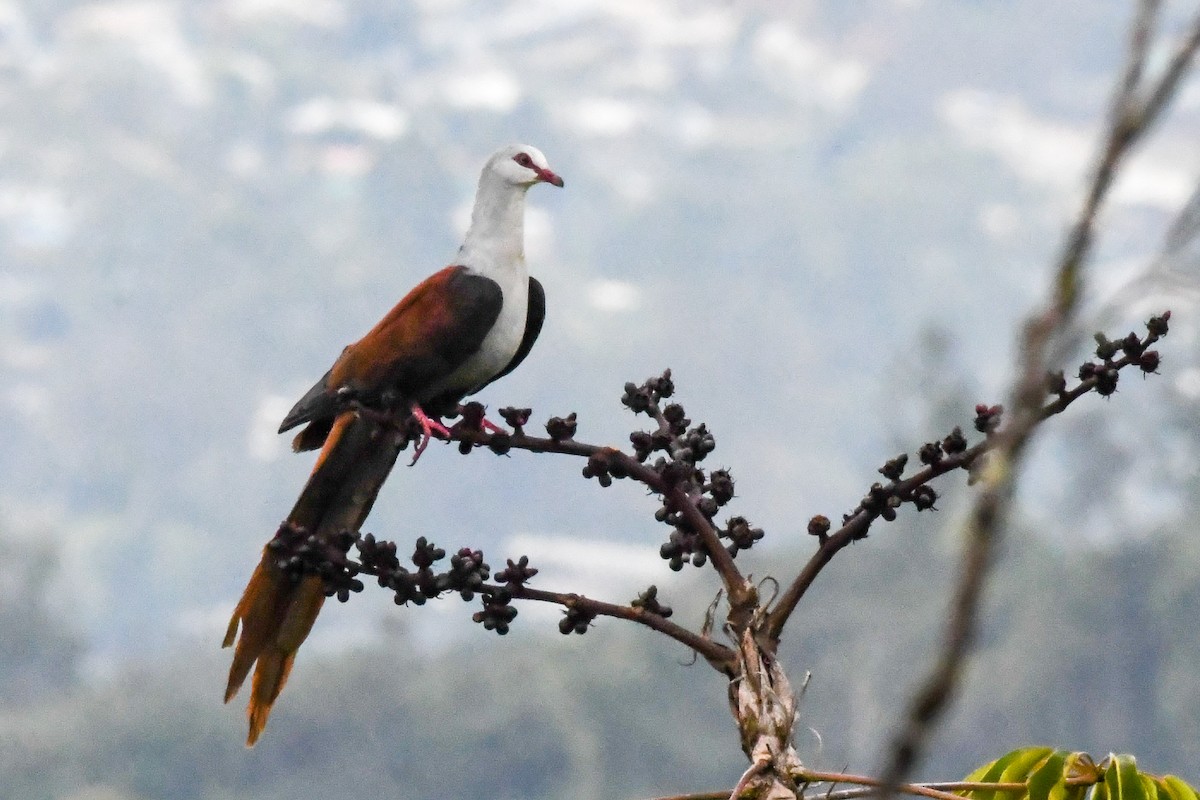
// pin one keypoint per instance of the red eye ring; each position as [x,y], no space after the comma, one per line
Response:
[524,160]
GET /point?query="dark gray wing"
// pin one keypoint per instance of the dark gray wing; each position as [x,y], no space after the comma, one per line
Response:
[533,326]
[430,333]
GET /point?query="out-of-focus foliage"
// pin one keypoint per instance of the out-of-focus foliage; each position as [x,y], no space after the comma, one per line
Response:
[39,647]
[1051,774]
[1087,648]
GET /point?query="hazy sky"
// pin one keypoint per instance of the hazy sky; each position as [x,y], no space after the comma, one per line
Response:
[785,203]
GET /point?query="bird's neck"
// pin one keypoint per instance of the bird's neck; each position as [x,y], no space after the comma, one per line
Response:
[496,238]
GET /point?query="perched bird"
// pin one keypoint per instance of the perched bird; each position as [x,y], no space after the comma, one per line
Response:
[456,332]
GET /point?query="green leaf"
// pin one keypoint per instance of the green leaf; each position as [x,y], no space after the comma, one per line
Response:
[1048,776]
[1024,763]
[1122,781]
[1172,788]
[990,772]
[1014,767]
[1149,786]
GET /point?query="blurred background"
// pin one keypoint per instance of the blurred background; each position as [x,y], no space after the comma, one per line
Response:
[827,218]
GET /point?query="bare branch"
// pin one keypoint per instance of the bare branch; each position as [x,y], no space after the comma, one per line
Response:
[856,525]
[868,787]
[720,656]
[939,792]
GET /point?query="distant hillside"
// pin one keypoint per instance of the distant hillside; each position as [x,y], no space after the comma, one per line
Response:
[1086,649]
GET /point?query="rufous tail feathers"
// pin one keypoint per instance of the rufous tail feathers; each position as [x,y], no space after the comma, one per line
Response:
[277,612]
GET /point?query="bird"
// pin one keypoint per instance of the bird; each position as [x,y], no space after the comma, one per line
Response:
[461,328]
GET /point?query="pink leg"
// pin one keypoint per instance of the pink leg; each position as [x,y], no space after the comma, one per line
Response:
[428,426]
[488,425]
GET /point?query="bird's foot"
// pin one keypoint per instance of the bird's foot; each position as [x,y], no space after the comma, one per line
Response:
[428,425]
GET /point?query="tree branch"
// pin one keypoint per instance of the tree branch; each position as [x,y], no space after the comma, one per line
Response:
[856,525]
[917,789]
[720,656]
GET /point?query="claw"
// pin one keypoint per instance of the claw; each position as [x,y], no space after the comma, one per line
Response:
[428,426]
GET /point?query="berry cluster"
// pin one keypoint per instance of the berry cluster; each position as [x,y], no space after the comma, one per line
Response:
[500,442]
[954,451]
[576,619]
[498,612]
[298,554]
[560,429]
[648,601]
[680,446]
[1112,355]
[517,573]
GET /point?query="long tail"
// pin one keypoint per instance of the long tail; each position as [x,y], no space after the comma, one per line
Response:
[275,614]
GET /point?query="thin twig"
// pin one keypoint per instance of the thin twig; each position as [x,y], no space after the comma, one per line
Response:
[720,656]
[960,786]
[872,789]
[937,791]
[857,525]
[977,786]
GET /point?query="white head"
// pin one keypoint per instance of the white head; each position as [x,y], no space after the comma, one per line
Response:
[497,232]
[521,165]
